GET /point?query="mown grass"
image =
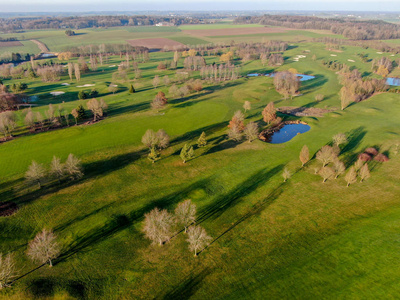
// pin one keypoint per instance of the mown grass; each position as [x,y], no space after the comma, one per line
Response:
[301,239]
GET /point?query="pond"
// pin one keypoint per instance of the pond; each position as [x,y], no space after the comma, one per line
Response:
[393,81]
[302,77]
[287,132]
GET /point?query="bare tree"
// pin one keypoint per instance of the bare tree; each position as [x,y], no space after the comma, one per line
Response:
[7,123]
[286,174]
[75,114]
[44,247]
[77,72]
[364,173]
[166,80]
[358,164]
[159,101]
[158,225]
[351,176]
[113,88]
[57,169]
[246,106]
[251,131]
[96,108]
[73,167]
[304,155]
[339,167]
[156,81]
[30,119]
[8,270]
[70,70]
[185,213]
[339,139]
[197,238]
[149,139]
[326,155]
[162,139]
[326,173]
[319,97]
[35,174]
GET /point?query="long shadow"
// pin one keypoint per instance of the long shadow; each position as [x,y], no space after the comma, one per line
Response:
[354,137]
[227,144]
[231,198]
[119,109]
[188,287]
[120,222]
[309,85]
[195,134]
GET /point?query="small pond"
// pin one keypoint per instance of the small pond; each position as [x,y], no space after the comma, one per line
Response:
[393,81]
[253,75]
[302,77]
[287,132]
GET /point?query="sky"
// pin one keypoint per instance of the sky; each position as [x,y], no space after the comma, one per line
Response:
[205,5]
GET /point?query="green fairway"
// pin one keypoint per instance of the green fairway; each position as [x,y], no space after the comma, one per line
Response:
[300,239]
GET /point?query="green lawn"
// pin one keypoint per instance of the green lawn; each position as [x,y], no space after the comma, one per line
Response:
[301,239]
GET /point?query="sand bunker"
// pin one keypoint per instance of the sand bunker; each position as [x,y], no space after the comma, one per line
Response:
[65,84]
[333,55]
[57,93]
[85,85]
[350,60]
[112,66]
[379,52]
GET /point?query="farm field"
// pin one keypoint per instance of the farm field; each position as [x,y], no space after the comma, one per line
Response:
[299,239]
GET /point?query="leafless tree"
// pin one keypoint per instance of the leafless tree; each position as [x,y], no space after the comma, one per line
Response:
[96,108]
[251,131]
[339,167]
[166,80]
[149,139]
[247,106]
[319,97]
[351,176]
[304,155]
[286,174]
[44,247]
[35,174]
[73,167]
[326,173]
[158,225]
[326,155]
[339,139]
[197,238]
[8,270]
[162,139]
[57,169]
[70,70]
[77,72]
[156,81]
[185,213]
[30,119]
[75,114]
[7,123]
[364,172]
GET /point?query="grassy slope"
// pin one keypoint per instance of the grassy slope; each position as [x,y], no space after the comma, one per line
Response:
[301,239]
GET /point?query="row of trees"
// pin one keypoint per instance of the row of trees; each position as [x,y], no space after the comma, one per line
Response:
[160,225]
[38,174]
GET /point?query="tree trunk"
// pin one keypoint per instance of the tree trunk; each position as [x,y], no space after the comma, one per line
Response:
[40,186]
[50,263]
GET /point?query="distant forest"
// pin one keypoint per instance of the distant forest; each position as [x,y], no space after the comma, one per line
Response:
[352,29]
[18,24]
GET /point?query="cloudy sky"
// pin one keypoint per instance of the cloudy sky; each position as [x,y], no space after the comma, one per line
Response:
[135,5]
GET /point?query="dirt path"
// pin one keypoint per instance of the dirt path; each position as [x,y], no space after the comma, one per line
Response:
[41,46]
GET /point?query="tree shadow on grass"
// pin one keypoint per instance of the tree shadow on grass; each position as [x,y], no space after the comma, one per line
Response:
[47,287]
[309,85]
[188,287]
[354,138]
[231,198]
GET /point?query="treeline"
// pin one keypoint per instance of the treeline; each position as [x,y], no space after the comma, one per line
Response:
[16,24]
[352,29]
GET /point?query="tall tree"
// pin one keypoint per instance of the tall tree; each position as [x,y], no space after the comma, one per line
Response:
[339,167]
[364,172]
[246,106]
[326,173]
[251,131]
[326,155]
[73,167]
[187,153]
[351,176]
[57,169]
[286,174]
[197,238]
[8,270]
[70,71]
[95,107]
[162,139]
[158,226]
[202,142]
[269,113]
[77,72]
[44,247]
[149,139]
[185,213]
[304,155]
[35,173]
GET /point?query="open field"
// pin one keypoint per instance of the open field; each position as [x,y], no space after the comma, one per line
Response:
[157,43]
[11,44]
[300,239]
[235,31]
